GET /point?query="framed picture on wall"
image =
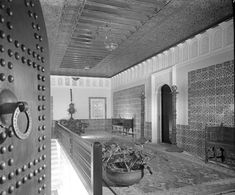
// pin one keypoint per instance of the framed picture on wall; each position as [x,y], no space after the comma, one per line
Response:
[97,107]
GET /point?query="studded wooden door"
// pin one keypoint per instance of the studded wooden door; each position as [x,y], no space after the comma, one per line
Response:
[24,99]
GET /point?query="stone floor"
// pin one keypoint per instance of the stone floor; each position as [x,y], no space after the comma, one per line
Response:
[175,173]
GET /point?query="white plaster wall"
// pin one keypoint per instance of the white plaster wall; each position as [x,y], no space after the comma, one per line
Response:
[216,45]
[158,80]
[87,87]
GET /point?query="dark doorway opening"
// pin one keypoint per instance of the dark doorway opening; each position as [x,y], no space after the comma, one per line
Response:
[166,113]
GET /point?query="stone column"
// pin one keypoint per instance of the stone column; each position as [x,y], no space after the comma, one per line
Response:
[173,133]
[142,118]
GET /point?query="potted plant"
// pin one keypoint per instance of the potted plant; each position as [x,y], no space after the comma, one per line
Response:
[124,165]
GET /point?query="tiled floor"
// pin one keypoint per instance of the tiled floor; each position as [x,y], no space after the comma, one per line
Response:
[175,173]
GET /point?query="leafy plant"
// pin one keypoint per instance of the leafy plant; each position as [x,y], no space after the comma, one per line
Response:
[76,125]
[126,158]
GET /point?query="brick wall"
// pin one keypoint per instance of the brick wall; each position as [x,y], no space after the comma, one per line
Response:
[210,102]
[127,104]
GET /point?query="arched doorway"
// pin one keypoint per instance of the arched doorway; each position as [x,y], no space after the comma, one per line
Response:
[166,105]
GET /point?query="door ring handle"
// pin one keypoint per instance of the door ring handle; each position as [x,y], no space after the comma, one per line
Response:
[21,107]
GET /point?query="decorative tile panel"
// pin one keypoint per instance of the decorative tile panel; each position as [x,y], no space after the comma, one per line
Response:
[127,104]
[210,102]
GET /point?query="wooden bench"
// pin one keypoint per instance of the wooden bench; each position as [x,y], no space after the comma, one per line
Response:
[123,126]
[220,145]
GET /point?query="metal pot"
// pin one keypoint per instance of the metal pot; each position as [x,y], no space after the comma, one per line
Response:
[121,178]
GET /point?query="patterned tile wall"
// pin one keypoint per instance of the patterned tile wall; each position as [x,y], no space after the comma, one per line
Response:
[211,95]
[127,104]
[210,102]
[98,124]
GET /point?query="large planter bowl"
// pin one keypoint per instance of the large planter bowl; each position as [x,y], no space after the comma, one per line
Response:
[120,178]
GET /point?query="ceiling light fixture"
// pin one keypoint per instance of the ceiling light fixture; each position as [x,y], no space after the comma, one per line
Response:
[105,34]
[109,40]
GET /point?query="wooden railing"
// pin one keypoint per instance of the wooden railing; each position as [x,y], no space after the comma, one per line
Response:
[86,156]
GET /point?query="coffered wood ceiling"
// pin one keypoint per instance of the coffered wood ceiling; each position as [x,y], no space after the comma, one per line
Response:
[142,28]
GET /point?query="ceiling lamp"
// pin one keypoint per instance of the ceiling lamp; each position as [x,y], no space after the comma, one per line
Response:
[109,40]
[105,34]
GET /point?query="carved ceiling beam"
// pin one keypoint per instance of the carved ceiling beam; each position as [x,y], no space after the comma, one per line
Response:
[81,35]
[140,5]
[114,10]
[86,52]
[75,57]
[84,47]
[77,10]
[80,44]
[82,60]
[112,17]
[88,60]
[89,53]
[103,22]
[81,66]
[93,27]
